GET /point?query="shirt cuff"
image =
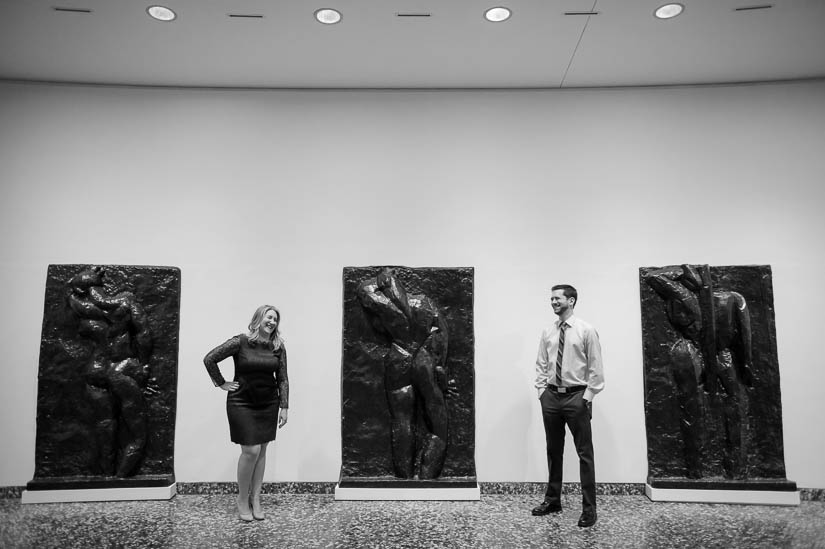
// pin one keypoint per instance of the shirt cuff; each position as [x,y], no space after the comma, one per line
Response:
[588,395]
[540,390]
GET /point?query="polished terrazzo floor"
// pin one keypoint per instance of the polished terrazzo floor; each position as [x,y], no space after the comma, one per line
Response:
[316,520]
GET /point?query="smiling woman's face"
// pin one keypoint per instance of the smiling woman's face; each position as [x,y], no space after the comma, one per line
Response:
[269,322]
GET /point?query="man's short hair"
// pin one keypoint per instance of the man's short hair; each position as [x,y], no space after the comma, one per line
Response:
[569,291]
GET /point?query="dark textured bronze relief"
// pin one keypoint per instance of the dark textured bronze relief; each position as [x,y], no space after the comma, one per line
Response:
[108,377]
[712,401]
[407,380]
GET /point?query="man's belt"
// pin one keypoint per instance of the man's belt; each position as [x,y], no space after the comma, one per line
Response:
[563,390]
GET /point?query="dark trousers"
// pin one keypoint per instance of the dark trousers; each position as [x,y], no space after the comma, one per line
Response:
[568,409]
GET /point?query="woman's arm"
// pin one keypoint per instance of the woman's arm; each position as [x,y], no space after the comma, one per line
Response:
[283,380]
[229,348]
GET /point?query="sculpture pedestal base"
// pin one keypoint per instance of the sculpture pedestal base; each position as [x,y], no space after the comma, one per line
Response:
[99,494]
[780,492]
[407,494]
[70,489]
[393,489]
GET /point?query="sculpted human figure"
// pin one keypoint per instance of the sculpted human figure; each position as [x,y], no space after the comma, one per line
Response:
[678,287]
[714,350]
[117,370]
[734,371]
[414,371]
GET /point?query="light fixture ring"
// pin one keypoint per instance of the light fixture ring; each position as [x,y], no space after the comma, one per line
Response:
[161,13]
[497,14]
[669,11]
[328,16]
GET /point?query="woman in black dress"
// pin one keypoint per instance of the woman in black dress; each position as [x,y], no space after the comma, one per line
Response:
[257,400]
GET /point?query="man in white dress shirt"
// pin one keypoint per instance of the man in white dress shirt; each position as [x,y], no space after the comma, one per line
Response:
[569,373]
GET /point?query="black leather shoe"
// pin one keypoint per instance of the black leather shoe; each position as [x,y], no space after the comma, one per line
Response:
[545,508]
[587,519]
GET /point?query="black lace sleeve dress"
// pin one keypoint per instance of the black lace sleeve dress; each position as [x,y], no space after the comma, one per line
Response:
[261,373]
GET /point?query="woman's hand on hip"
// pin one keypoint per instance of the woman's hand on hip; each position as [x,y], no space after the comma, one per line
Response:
[230,386]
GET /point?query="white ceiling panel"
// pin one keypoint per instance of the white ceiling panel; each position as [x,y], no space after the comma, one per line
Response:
[443,45]
[710,42]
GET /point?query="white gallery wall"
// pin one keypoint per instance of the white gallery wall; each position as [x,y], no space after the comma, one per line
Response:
[264,196]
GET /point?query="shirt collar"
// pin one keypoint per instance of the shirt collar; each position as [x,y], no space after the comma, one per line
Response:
[570,321]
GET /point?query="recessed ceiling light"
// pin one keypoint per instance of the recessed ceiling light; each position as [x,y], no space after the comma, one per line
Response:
[161,13]
[328,16]
[668,10]
[497,14]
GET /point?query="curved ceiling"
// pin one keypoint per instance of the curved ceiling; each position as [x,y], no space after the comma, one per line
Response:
[411,43]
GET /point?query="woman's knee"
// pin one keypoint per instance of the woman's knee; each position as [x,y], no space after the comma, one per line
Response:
[251,451]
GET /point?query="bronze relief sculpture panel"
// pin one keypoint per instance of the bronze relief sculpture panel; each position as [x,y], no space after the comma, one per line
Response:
[711,374]
[407,376]
[107,379]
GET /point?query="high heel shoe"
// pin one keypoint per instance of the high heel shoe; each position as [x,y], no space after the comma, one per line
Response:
[244,516]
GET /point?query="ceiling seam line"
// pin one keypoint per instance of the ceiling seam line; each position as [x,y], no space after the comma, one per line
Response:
[573,55]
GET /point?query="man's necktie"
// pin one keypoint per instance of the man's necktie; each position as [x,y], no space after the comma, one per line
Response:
[560,354]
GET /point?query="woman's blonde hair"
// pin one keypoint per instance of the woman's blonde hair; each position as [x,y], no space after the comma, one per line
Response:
[275,339]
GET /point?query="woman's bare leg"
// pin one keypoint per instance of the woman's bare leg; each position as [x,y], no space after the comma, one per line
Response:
[257,482]
[246,470]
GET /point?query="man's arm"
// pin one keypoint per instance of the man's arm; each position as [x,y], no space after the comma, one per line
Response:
[595,368]
[542,364]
